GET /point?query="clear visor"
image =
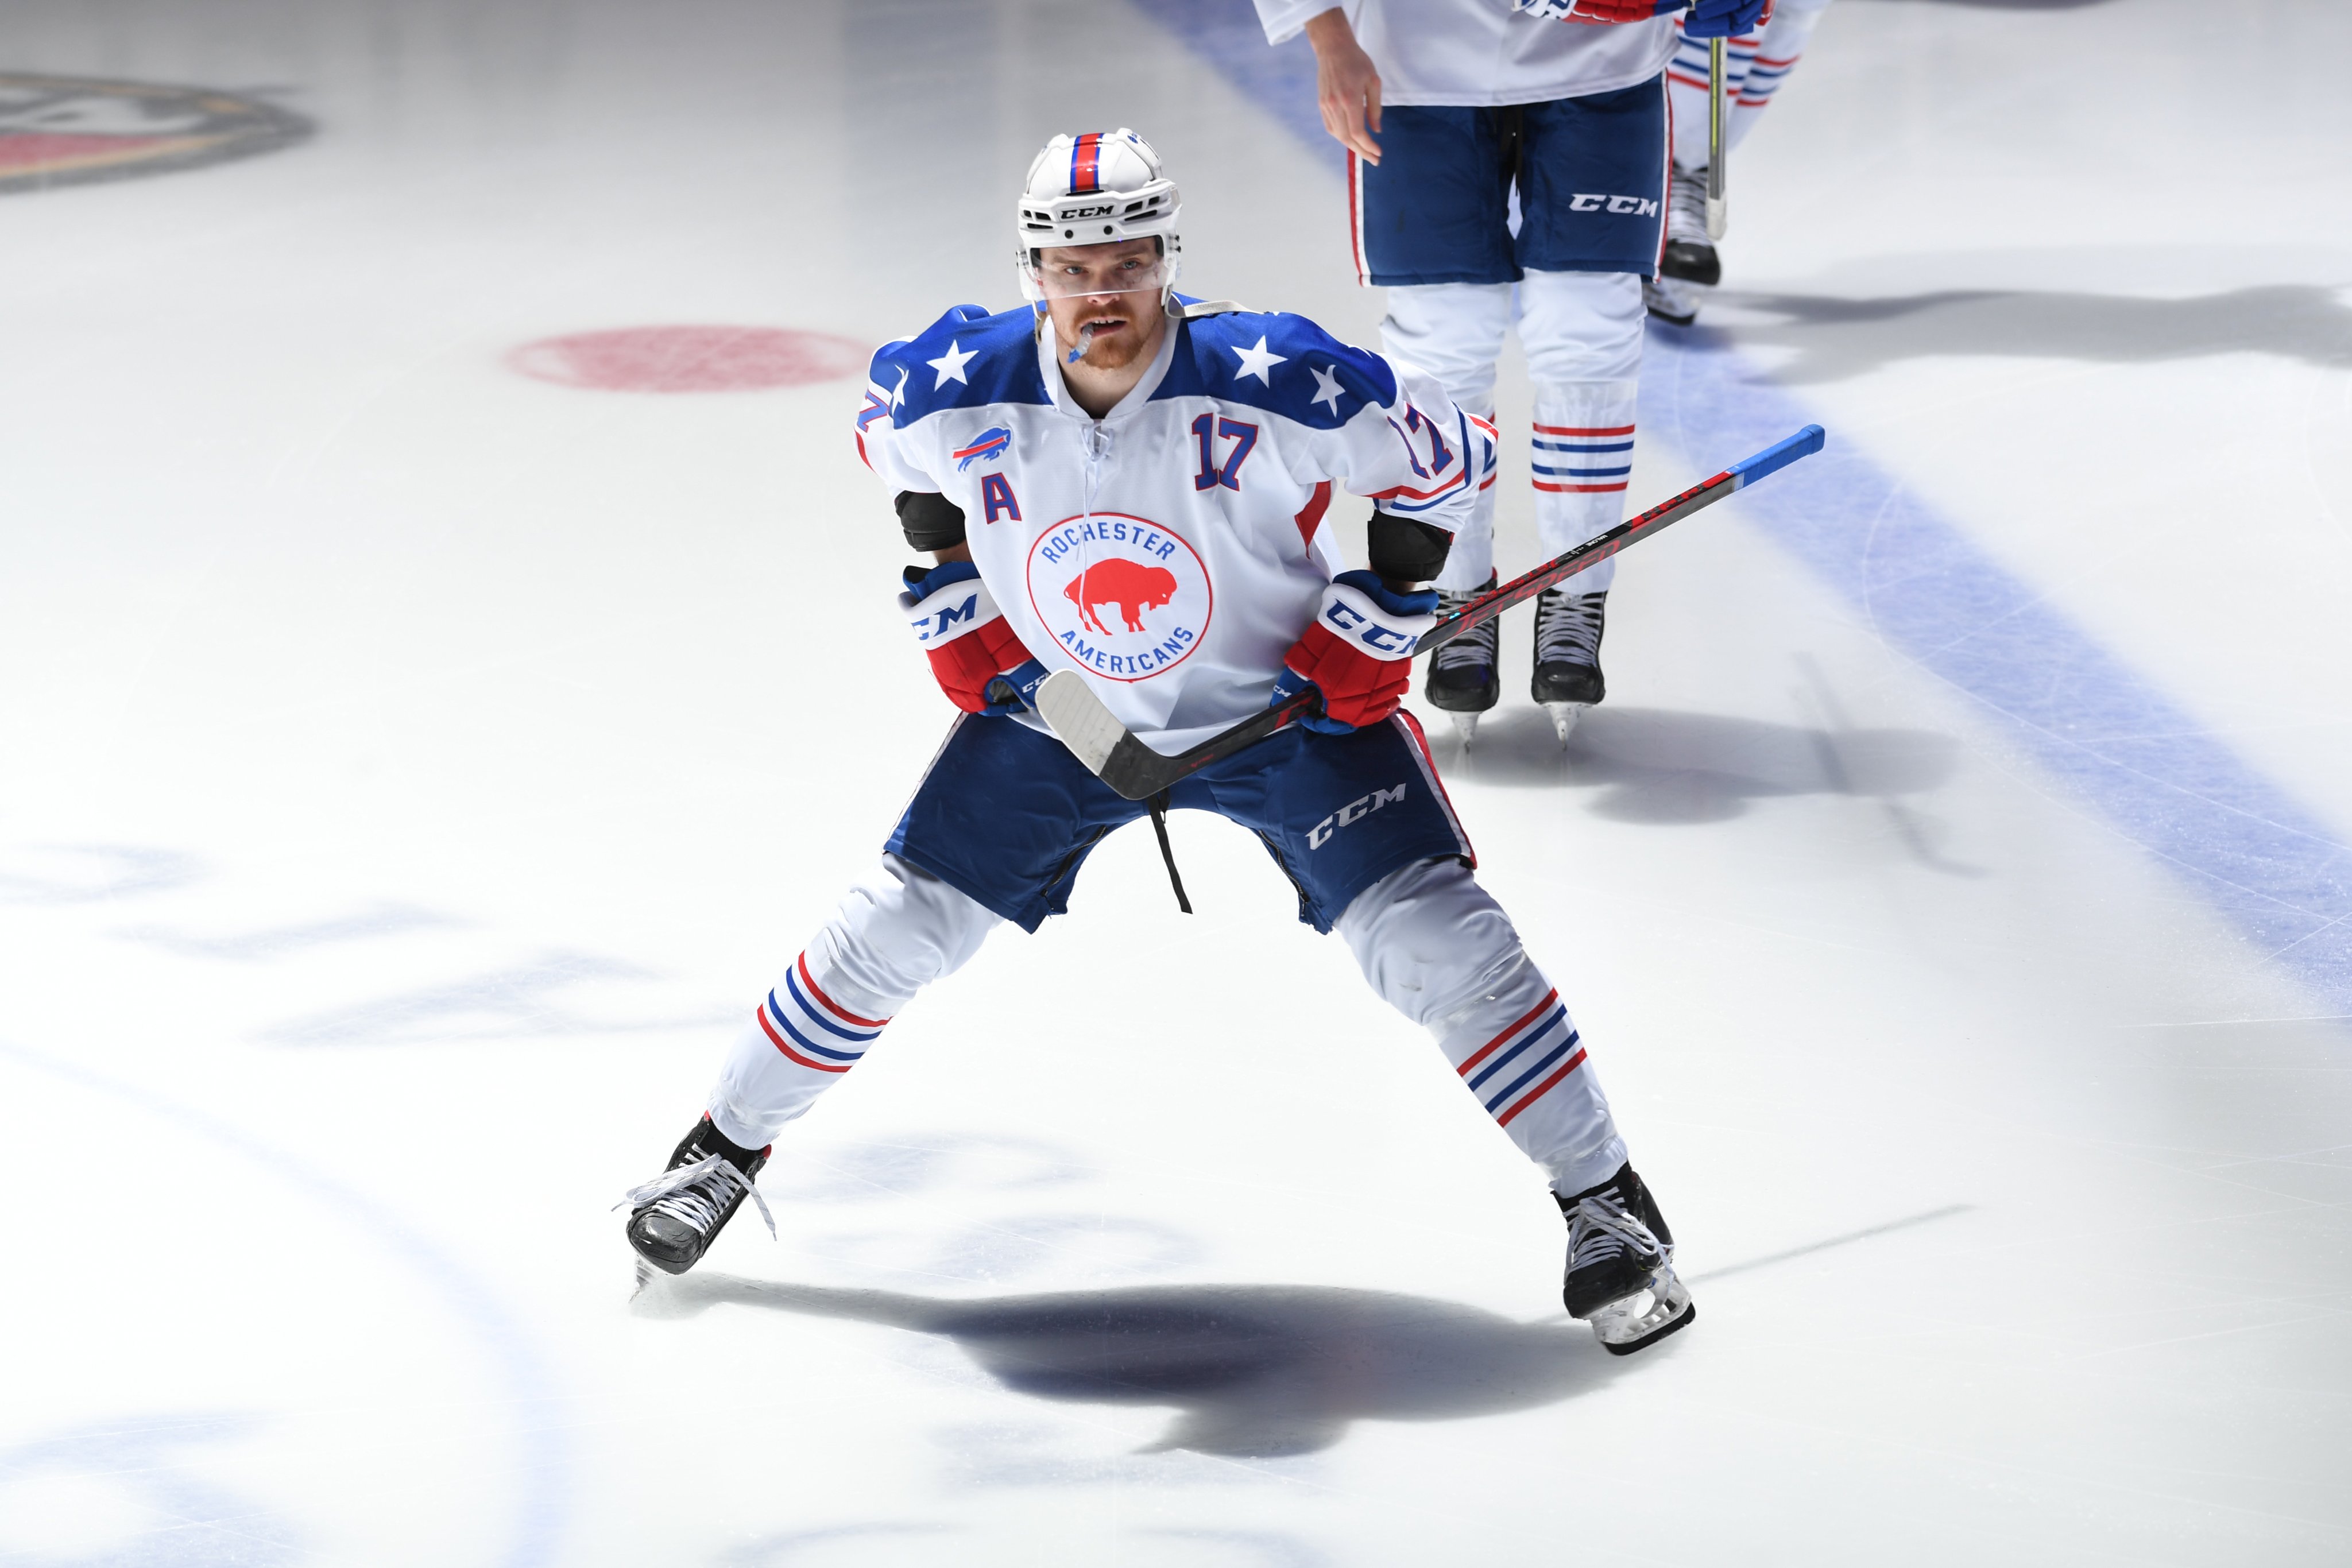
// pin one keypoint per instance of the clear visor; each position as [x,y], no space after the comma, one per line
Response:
[1062,275]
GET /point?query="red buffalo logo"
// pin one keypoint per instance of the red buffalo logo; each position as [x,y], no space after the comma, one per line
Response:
[1131,585]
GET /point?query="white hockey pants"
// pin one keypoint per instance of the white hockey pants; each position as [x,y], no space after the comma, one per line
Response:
[1428,937]
[1582,332]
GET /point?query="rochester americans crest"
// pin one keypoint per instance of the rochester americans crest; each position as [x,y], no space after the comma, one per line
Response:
[1125,597]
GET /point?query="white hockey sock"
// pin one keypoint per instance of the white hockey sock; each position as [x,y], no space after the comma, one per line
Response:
[1687,75]
[1754,66]
[1470,559]
[1775,53]
[1582,456]
[894,934]
[1453,332]
[1441,951]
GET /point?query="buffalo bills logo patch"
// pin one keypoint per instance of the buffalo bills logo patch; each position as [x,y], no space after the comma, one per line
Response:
[991,446]
[1124,597]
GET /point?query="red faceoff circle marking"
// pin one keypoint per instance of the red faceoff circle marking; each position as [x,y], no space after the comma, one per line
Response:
[691,359]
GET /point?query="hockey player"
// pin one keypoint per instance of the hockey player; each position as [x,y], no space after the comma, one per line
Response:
[1755,66]
[1140,488]
[1507,165]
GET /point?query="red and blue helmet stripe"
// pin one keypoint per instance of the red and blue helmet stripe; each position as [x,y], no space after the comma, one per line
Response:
[1085,164]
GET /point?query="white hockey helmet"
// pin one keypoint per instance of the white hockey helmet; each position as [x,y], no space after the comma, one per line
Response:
[1096,188]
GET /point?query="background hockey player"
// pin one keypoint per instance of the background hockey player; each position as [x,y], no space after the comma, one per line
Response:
[1507,166]
[1755,66]
[1119,483]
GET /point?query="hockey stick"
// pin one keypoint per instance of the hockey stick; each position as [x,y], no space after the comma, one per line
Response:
[1113,753]
[1715,217]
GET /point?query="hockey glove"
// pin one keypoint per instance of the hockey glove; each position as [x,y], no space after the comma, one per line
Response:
[1599,13]
[1707,18]
[1725,18]
[974,655]
[1358,653]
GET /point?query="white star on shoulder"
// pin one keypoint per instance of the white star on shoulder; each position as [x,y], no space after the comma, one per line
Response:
[951,365]
[1256,361]
[1326,387]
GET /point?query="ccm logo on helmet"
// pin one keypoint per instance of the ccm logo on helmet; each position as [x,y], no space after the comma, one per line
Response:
[1355,810]
[1088,212]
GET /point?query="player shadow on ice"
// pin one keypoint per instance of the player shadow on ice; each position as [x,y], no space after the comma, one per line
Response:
[1655,765]
[1835,339]
[1253,1371]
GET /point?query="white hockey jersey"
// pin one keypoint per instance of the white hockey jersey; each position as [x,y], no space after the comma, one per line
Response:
[1174,549]
[1483,54]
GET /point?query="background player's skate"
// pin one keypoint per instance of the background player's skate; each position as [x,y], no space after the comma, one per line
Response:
[1465,676]
[1567,678]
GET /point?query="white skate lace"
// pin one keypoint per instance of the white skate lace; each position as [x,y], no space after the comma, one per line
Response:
[697,1193]
[1475,646]
[1598,1229]
[1568,627]
[1686,205]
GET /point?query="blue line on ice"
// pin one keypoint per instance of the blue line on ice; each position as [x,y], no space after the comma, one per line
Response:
[2147,766]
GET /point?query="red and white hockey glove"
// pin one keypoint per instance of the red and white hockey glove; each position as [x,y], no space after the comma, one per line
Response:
[969,642]
[1359,651]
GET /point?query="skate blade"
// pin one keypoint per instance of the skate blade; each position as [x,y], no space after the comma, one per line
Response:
[1564,716]
[1465,726]
[1645,1317]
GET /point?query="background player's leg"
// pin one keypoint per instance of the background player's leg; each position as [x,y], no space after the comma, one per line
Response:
[1776,49]
[1453,333]
[1686,91]
[1583,334]
[1756,64]
[1440,950]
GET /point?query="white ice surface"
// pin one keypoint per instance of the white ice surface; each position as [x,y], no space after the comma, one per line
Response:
[409,772]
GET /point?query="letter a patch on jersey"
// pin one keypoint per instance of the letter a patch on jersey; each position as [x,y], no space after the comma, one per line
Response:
[996,496]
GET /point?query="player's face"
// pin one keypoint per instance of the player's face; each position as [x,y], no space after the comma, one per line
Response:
[1107,295]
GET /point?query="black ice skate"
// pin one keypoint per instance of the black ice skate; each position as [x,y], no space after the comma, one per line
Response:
[1689,255]
[1621,1271]
[1465,676]
[675,1218]
[1567,654]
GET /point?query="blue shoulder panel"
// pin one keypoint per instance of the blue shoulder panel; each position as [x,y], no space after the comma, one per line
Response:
[1282,363]
[966,358]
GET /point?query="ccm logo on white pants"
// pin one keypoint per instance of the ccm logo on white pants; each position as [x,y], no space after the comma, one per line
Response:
[1355,810]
